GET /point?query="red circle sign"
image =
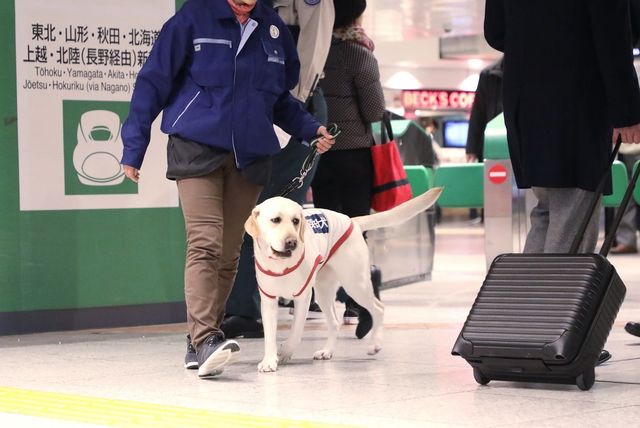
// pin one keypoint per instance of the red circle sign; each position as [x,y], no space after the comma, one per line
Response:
[498,174]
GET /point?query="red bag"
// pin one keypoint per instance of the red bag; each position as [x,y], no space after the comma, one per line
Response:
[390,184]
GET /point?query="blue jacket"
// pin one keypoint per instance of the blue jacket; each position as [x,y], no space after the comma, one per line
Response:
[211,93]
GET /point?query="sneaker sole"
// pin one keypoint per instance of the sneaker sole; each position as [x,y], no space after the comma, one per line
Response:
[191,366]
[215,364]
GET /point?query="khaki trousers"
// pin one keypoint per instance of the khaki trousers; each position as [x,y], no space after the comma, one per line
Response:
[215,208]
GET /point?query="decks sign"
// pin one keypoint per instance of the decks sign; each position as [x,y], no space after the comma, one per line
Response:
[437,99]
[76,65]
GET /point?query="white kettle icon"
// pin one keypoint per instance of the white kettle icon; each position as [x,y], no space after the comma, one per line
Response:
[96,156]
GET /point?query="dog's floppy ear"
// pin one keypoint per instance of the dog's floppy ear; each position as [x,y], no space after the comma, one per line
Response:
[251,225]
[302,227]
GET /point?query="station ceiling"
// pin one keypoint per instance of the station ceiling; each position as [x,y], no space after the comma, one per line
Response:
[407,20]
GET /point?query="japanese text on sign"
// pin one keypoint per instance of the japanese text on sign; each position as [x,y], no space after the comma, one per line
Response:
[84,58]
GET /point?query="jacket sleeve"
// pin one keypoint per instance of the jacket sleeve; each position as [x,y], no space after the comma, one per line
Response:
[153,86]
[290,115]
[316,27]
[367,82]
[495,24]
[478,120]
[611,29]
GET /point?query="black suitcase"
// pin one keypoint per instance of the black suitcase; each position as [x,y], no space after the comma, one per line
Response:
[545,317]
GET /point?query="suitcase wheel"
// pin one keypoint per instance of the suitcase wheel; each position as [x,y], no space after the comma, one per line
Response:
[586,380]
[479,377]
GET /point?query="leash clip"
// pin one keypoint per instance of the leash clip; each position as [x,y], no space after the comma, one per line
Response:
[307,165]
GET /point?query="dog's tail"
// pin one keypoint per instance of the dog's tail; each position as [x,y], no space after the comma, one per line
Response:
[401,213]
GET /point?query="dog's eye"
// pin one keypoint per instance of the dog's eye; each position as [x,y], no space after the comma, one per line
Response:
[276,220]
[295,221]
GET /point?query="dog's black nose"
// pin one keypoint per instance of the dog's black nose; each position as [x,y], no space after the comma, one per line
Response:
[290,244]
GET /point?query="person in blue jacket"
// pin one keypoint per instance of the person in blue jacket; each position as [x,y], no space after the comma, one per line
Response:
[220,72]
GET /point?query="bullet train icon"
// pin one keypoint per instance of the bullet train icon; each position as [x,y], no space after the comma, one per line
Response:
[96,157]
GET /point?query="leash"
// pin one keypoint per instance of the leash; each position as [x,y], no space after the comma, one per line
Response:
[308,163]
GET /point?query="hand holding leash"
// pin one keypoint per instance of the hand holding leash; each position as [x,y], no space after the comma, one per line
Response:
[327,139]
[318,146]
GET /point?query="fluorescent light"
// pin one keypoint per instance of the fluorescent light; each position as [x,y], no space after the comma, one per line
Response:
[403,80]
[475,64]
[470,83]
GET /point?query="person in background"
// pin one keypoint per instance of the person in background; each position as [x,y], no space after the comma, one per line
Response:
[569,66]
[355,99]
[629,223]
[311,24]
[210,90]
[486,105]
[430,126]
[627,233]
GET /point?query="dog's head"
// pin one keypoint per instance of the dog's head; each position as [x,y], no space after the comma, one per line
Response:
[277,225]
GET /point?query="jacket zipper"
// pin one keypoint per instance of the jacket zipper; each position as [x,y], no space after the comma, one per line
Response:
[235,66]
[233,104]
[185,109]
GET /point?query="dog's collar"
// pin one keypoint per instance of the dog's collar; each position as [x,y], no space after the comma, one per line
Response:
[285,272]
[316,263]
[319,260]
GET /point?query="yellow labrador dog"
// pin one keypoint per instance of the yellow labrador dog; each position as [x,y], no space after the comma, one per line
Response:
[296,250]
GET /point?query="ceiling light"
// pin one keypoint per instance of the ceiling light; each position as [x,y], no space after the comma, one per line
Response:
[403,80]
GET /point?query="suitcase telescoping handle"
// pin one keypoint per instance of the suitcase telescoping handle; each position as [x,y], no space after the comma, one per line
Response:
[608,241]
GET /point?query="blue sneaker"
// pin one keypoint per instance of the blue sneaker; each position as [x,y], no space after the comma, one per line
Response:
[215,354]
[190,359]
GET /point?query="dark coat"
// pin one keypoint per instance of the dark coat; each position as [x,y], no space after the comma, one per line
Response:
[635,22]
[486,105]
[354,95]
[568,79]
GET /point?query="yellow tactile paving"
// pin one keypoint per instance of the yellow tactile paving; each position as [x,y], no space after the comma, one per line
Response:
[123,413]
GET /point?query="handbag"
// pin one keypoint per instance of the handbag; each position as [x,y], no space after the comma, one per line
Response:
[390,184]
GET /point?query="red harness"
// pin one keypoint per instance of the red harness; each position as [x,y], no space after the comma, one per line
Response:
[316,263]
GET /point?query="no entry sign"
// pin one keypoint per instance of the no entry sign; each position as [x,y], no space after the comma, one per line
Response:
[498,174]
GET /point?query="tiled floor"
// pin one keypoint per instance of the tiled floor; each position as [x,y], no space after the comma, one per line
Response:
[414,381]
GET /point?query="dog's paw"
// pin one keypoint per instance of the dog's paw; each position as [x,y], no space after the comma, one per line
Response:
[373,349]
[323,354]
[268,364]
[284,354]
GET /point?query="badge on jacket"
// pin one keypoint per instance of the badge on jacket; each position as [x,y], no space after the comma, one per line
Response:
[274,31]
[312,2]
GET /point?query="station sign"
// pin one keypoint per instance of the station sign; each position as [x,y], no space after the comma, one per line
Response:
[437,99]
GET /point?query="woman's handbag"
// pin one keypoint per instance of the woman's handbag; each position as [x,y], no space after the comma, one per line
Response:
[390,184]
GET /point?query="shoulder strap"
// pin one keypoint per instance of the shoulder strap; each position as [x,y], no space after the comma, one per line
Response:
[385,125]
